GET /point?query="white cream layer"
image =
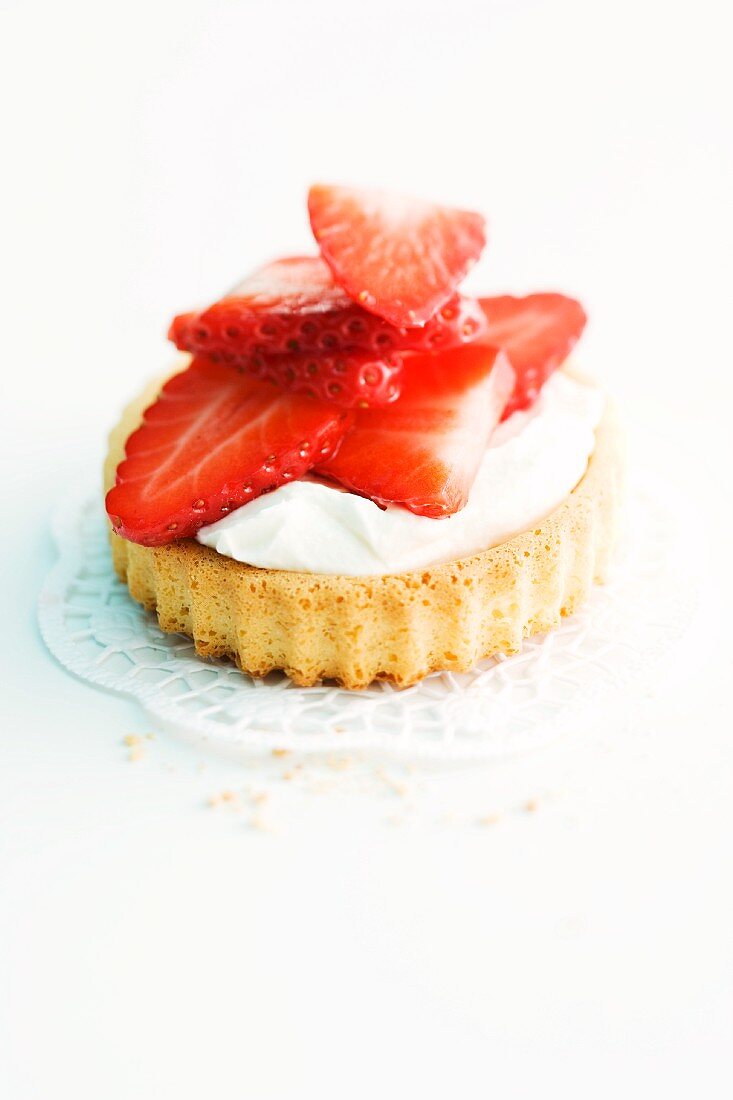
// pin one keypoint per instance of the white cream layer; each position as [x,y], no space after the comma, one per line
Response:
[533,461]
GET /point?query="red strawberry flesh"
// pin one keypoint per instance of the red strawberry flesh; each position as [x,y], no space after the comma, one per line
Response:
[537,333]
[300,284]
[293,306]
[423,451]
[213,441]
[400,258]
[348,379]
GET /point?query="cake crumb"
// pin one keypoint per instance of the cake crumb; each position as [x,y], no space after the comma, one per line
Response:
[134,742]
[225,798]
[531,805]
[489,819]
[259,822]
[339,763]
[280,752]
[400,789]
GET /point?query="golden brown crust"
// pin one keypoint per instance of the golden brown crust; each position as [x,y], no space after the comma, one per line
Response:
[400,627]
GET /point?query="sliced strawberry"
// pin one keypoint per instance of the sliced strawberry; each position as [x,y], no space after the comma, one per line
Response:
[399,258]
[294,284]
[537,333]
[351,380]
[213,441]
[293,305]
[424,450]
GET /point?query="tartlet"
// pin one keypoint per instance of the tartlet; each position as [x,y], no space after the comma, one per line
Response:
[367,368]
[400,627]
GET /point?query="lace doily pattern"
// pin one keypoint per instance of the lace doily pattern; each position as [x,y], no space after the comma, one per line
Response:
[505,705]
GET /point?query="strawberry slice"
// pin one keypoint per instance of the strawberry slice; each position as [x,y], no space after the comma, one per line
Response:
[399,258]
[293,305]
[351,380]
[423,452]
[537,333]
[213,441]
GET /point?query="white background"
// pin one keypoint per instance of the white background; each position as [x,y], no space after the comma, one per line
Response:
[153,947]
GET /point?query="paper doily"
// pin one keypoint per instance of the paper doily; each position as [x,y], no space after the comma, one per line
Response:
[505,705]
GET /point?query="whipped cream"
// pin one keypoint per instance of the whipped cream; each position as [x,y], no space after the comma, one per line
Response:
[534,459]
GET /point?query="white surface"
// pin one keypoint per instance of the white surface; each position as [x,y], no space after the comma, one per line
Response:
[534,459]
[154,947]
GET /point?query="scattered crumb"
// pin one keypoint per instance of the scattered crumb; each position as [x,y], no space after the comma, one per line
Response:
[259,822]
[225,798]
[134,743]
[402,781]
[339,763]
[395,785]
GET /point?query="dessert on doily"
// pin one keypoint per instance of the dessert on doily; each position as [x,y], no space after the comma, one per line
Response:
[357,472]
